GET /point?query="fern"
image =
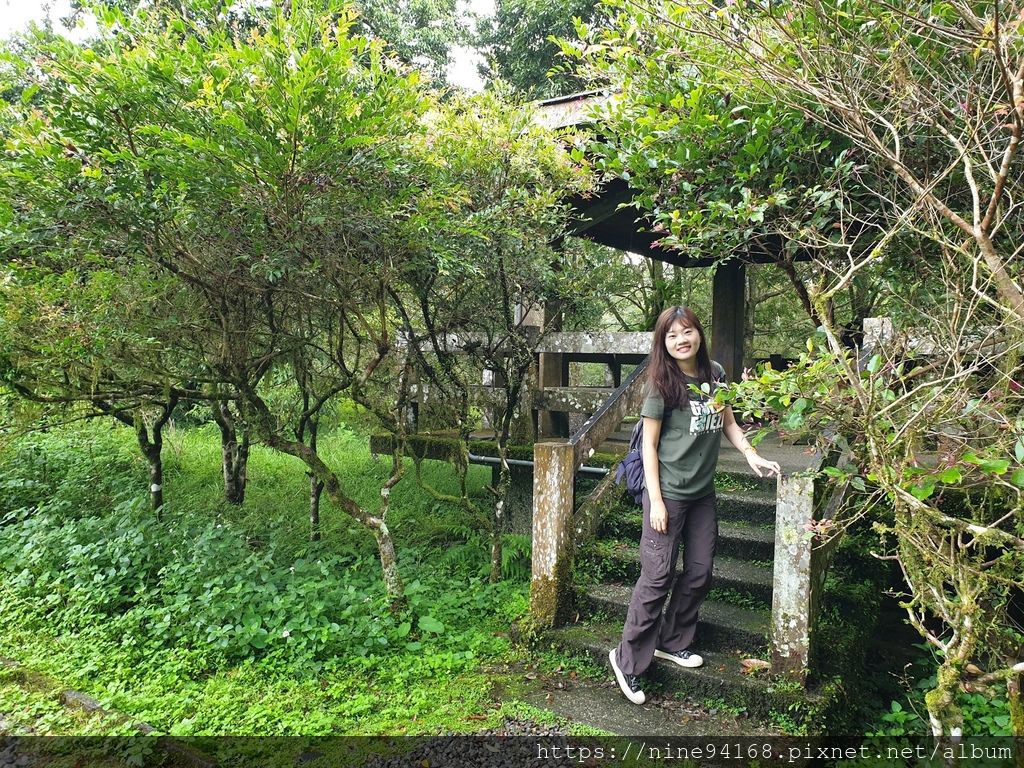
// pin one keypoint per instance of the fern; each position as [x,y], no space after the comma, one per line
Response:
[516,549]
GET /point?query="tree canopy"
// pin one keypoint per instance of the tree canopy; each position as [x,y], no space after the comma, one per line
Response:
[281,203]
[882,143]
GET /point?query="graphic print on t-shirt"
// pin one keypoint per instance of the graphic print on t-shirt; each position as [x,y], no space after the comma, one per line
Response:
[705,418]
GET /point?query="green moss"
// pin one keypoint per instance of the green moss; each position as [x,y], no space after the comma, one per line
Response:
[1016,705]
[551,597]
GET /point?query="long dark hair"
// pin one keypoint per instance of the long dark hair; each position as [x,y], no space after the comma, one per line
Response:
[663,370]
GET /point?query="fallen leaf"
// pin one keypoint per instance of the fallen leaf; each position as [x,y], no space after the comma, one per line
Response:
[753,665]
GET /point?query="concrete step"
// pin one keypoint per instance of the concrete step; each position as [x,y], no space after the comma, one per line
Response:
[615,448]
[598,704]
[734,471]
[751,508]
[619,561]
[719,681]
[746,542]
[623,435]
[756,507]
[722,627]
[740,540]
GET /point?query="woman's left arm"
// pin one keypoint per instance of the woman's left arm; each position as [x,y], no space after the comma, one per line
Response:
[735,435]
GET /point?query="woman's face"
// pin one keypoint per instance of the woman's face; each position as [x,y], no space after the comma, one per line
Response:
[682,342]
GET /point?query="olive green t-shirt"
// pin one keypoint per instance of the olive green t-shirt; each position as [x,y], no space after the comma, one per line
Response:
[690,439]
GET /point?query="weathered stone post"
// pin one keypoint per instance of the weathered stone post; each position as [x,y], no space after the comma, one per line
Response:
[551,582]
[552,371]
[793,609]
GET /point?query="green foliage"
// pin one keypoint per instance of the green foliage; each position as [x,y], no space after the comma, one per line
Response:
[517,43]
[932,461]
[37,705]
[227,605]
[199,585]
[716,172]
[88,555]
[88,467]
[261,213]
[420,32]
[984,715]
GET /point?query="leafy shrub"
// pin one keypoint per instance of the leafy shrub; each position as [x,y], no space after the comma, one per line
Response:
[79,543]
[983,715]
[73,472]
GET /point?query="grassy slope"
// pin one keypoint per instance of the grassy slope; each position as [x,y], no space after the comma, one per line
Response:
[445,685]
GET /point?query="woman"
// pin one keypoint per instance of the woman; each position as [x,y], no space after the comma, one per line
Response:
[682,433]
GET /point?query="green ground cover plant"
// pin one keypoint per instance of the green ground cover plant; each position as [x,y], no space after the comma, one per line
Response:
[222,619]
[984,715]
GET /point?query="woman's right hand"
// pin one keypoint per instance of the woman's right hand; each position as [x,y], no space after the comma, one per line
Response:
[659,516]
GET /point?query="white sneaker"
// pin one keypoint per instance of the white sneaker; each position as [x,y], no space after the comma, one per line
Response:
[682,658]
[630,684]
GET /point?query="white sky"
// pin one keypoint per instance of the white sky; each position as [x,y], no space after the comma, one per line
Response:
[462,67]
[16,14]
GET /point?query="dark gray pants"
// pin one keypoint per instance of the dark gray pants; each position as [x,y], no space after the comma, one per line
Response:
[695,523]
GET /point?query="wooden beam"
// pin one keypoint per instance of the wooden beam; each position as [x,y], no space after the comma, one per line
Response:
[728,315]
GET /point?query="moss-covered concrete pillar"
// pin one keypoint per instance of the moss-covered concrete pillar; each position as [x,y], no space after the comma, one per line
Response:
[795,581]
[551,581]
[552,371]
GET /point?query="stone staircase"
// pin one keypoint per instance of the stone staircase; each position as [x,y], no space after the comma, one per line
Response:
[734,621]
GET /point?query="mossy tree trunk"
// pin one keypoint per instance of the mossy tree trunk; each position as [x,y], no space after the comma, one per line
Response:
[150,437]
[234,453]
[1016,702]
[267,427]
[316,486]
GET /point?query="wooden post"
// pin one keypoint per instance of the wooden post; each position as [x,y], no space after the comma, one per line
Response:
[551,582]
[615,370]
[727,316]
[792,593]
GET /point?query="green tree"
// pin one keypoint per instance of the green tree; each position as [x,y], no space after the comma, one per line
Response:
[418,32]
[517,49]
[905,126]
[294,186]
[489,267]
[240,167]
[80,339]
[721,175]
